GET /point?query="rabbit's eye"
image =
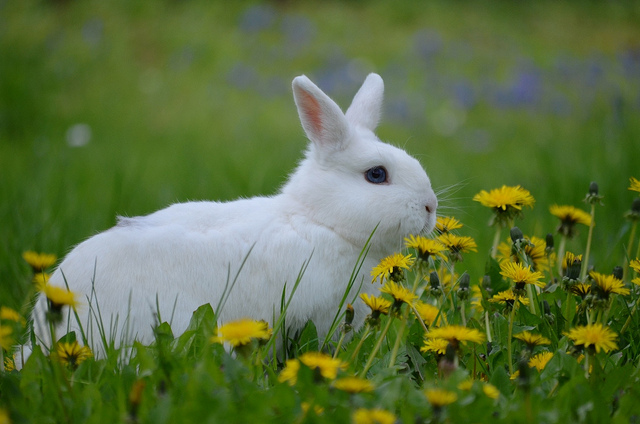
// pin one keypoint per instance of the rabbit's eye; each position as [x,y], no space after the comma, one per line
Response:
[376,175]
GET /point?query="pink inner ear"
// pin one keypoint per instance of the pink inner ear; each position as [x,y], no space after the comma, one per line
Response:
[313,112]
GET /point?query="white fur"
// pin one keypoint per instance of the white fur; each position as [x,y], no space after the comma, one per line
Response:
[324,214]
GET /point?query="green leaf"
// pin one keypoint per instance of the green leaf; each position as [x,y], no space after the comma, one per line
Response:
[307,341]
[492,269]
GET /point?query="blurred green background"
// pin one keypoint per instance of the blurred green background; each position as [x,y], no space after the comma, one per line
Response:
[123,107]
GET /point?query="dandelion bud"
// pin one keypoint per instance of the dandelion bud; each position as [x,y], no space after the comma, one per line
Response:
[516,234]
[573,269]
[549,242]
[618,272]
[486,284]
[634,213]
[348,318]
[547,312]
[463,286]
[593,197]
[434,284]
[523,374]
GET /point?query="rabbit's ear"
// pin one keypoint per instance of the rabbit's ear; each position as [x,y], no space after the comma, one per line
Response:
[322,119]
[366,108]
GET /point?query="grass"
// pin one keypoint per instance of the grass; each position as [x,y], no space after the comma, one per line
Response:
[191,100]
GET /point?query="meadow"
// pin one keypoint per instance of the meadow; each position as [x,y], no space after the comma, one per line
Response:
[124,107]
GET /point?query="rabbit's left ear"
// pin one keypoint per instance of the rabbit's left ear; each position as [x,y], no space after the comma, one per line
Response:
[322,119]
[366,107]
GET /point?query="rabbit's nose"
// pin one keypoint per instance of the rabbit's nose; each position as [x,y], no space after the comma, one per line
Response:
[432,205]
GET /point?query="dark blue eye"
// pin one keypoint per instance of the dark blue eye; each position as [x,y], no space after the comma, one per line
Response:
[376,175]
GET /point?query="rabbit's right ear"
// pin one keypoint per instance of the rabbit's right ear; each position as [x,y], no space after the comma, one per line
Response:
[322,119]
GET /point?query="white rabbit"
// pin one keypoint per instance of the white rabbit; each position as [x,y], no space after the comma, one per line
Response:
[348,184]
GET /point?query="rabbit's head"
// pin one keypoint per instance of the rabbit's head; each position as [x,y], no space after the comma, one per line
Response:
[350,181]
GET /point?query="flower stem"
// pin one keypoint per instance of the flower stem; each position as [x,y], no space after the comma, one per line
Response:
[628,321]
[632,236]
[532,303]
[509,353]
[487,326]
[567,306]
[585,262]
[462,314]
[396,345]
[496,241]
[420,320]
[373,353]
[561,249]
[335,354]
[365,334]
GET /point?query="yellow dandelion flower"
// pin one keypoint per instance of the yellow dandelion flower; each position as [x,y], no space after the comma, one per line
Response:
[581,289]
[289,373]
[377,304]
[72,354]
[476,299]
[327,365]
[438,346]
[608,284]
[426,247]
[439,398]
[458,244]
[569,216]
[241,332]
[40,280]
[4,417]
[399,293]
[490,391]
[39,261]
[373,416]
[508,297]
[636,281]
[634,184]
[59,297]
[570,259]
[536,252]
[466,385]
[11,315]
[456,334]
[354,385]
[390,265]
[635,265]
[6,337]
[446,224]
[317,409]
[426,311]
[540,360]
[593,336]
[9,365]
[505,197]
[532,340]
[520,274]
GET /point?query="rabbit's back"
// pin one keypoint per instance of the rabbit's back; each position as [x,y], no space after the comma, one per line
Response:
[176,259]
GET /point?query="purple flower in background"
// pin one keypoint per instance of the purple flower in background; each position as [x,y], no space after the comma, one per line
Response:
[257,18]
[243,76]
[526,88]
[298,30]
[463,94]
[427,43]
[92,31]
[630,61]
